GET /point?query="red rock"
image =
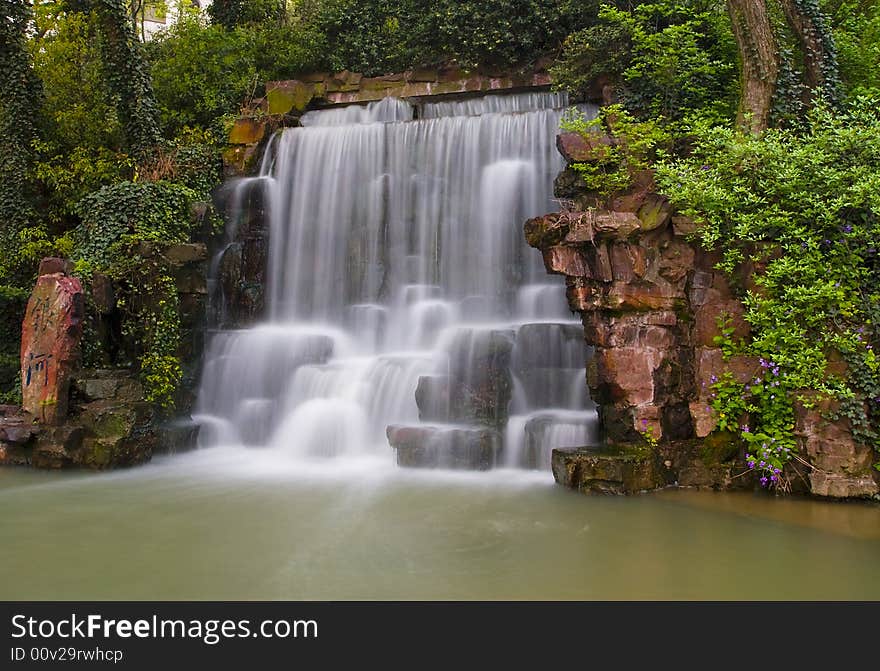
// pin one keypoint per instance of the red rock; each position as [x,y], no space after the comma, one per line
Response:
[842,466]
[563,260]
[601,266]
[611,224]
[421,75]
[710,361]
[838,486]
[52,264]
[655,212]
[103,293]
[628,262]
[247,131]
[51,334]
[550,229]
[707,316]
[624,295]
[703,417]
[676,261]
[628,373]
[684,226]
[582,298]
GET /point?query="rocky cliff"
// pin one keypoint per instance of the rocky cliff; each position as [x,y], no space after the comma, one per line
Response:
[653,304]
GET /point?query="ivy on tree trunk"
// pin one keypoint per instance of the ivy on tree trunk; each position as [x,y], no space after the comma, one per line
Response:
[759,62]
[20,97]
[807,22]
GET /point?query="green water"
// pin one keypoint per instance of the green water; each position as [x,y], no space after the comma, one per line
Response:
[237,524]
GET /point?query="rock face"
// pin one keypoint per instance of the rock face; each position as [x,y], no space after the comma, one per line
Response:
[50,343]
[108,426]
[651,303]
[97,418]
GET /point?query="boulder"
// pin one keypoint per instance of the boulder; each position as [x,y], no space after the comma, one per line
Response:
[623,470]
[474,449]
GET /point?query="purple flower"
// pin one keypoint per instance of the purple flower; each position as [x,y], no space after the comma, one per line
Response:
[847,229]
[763,482]
[713,379]
[745,428]
[773,478]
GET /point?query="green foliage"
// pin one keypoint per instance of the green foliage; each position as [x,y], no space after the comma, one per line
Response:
[81,143]
[19,111]
[805,208]
[631,147]
[670,59]
[202,73]
[117,221]
[128,76]
[381,36]
[233,13]
[151,319]
[116,215]
[856,30]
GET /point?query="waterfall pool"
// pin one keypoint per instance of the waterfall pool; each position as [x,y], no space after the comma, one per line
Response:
[250,524]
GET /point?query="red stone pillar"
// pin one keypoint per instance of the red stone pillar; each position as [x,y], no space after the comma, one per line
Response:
[50,339]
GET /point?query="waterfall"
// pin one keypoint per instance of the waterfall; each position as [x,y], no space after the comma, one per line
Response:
[396,260]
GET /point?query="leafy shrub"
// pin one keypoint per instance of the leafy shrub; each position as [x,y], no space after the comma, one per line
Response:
[203,73]
[670,59]
[805,207]
[381,36]
[635,146]
[115,222]
[117,214]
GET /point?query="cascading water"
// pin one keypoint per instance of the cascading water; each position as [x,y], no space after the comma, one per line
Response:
[396,262]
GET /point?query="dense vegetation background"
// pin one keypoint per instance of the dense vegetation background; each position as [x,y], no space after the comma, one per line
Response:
[760,120]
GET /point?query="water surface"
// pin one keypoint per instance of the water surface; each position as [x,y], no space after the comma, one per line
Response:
[227,523]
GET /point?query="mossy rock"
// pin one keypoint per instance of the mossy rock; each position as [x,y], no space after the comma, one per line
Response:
[290,96]
[655,212]
[614,469]
[106,419]
[99,453]
[720,447]
[247,131]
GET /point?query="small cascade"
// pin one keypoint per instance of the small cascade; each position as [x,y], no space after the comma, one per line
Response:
[402,302]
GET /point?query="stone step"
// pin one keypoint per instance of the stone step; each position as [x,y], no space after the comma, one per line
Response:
[607,470]
[450,446]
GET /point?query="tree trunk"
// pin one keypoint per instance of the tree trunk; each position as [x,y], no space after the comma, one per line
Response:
[759,62]
[820,59]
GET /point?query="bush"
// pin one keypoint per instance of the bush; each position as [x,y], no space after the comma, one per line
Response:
[669,59]
[203,73]
[381,36]
[805,206]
